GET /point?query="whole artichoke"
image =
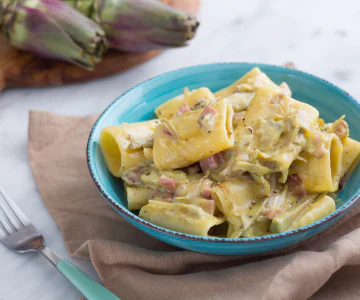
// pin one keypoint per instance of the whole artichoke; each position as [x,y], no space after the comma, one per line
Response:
[139,25]
[53,29]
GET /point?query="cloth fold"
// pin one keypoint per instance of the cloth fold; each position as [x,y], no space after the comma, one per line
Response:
[136,266]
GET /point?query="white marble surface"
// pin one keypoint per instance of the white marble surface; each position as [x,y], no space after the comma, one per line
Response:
[320,36]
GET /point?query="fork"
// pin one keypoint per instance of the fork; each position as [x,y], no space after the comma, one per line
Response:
[18,234]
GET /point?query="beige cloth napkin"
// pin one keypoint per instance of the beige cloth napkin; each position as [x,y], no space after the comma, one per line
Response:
[136,266]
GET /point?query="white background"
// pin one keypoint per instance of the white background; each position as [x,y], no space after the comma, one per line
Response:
[319,36]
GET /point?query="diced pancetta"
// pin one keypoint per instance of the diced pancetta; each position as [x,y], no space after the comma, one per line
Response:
[167,183]
[183,109]
[273,212]
[212,162]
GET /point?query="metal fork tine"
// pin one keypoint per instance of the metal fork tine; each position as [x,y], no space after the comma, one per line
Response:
[2,234]
[15,209]
[5,224]
[8,218]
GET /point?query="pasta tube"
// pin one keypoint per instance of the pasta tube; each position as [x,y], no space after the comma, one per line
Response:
[231,89]
[350,154]
[250,82]
[193,100]
[322,207]
[122,146]
[240,202]
[281,222]
[320,172]
[268,136]
[137,197]
[206,204]
[179,217]
[149,176]
[193,136]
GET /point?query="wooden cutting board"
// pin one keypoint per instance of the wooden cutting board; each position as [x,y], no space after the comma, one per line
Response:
[18,68]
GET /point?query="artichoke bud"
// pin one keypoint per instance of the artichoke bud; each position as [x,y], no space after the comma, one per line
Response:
[53,29]
[139,25]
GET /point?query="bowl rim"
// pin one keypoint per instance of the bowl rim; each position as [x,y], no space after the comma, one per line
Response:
[175,234]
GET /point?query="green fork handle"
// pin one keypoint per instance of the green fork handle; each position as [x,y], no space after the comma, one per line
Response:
[87,286]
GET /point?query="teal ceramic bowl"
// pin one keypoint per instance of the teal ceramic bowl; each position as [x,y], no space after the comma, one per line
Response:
[139,103]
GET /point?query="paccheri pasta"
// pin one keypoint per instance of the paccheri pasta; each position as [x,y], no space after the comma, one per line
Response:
[246,161]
